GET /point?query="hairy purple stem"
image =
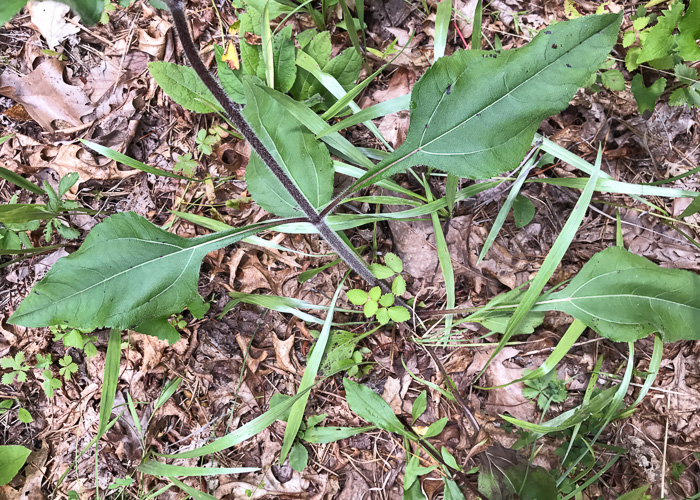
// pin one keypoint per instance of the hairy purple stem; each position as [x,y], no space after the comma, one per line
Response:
[233,112]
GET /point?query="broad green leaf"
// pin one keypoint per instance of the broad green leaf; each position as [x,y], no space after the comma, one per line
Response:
[370,406]
[399,314]
[284,58]
[8,9]
[474,114]
[646,97]
[307,161]
[506,475]
[689,27]
[381,272]
[90,11]
[659,42]
[523,211]
[435,428]
[625,297]
[298,457]
[394,262]
[638,494]
[230,79]
[251,55]
[183,86]
[24,416]
[398,287]
[12,459]
[128,273]
[613,80]
[357,297]
[319,48]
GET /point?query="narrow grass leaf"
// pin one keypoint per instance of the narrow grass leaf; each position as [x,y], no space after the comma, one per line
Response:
[306,62]
[266,37]
[18,180]
[447,270]
[243,433]
[313,362]
[193,492]
[110,379]
[451,188]
[551,262]
[160,469]
[130,162]
[352,31]
[505,209]
[167,392]
[442,26]
[317,125]
[371,407]
[322,435]
[476,30]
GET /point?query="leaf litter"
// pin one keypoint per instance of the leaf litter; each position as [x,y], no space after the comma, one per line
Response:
[110,101]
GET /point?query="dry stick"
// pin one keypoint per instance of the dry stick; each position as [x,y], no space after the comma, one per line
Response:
[233,112]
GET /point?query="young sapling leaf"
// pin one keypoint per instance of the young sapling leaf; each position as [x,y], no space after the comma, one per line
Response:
[374,293]
[357,296]
[419,405]
[381,272]
[383,316]
[393,262]
[371,308]
[399,314]
[398,287]
[387,300]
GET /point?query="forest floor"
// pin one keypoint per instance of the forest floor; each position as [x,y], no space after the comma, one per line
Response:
[230,366]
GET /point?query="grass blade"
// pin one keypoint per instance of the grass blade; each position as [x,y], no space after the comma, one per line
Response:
[505,209]
[442,26]
[110,379]
[447,270]
[376,111]
[313,363]
[18,180]
[306,62]
[551,261]
[268,57]
[160,469]
[476,31]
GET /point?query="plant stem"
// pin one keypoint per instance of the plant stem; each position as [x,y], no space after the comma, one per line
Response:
[233,112]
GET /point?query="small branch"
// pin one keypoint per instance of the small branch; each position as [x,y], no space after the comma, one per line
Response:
[233,111]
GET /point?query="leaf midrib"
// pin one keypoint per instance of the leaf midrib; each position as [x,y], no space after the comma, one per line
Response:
[160,259]
[534,75]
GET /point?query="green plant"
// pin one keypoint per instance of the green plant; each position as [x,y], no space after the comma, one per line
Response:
[74,337]
[665,42]
[473,114]
[382,305]
[22,414]
[546,389]
[17,366]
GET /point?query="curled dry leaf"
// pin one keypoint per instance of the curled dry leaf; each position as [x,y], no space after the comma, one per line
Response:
[45,96]
[49,18]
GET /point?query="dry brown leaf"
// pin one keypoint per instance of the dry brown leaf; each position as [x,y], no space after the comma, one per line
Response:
[45,96]
[505,399]
[73,158]
[49,18]
[283,351]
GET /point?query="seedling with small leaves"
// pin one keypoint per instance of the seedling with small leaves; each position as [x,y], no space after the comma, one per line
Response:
[74,337]
[185,165]
[68,367]
[17,366]
[22,414]
[382,305]
[546,389]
